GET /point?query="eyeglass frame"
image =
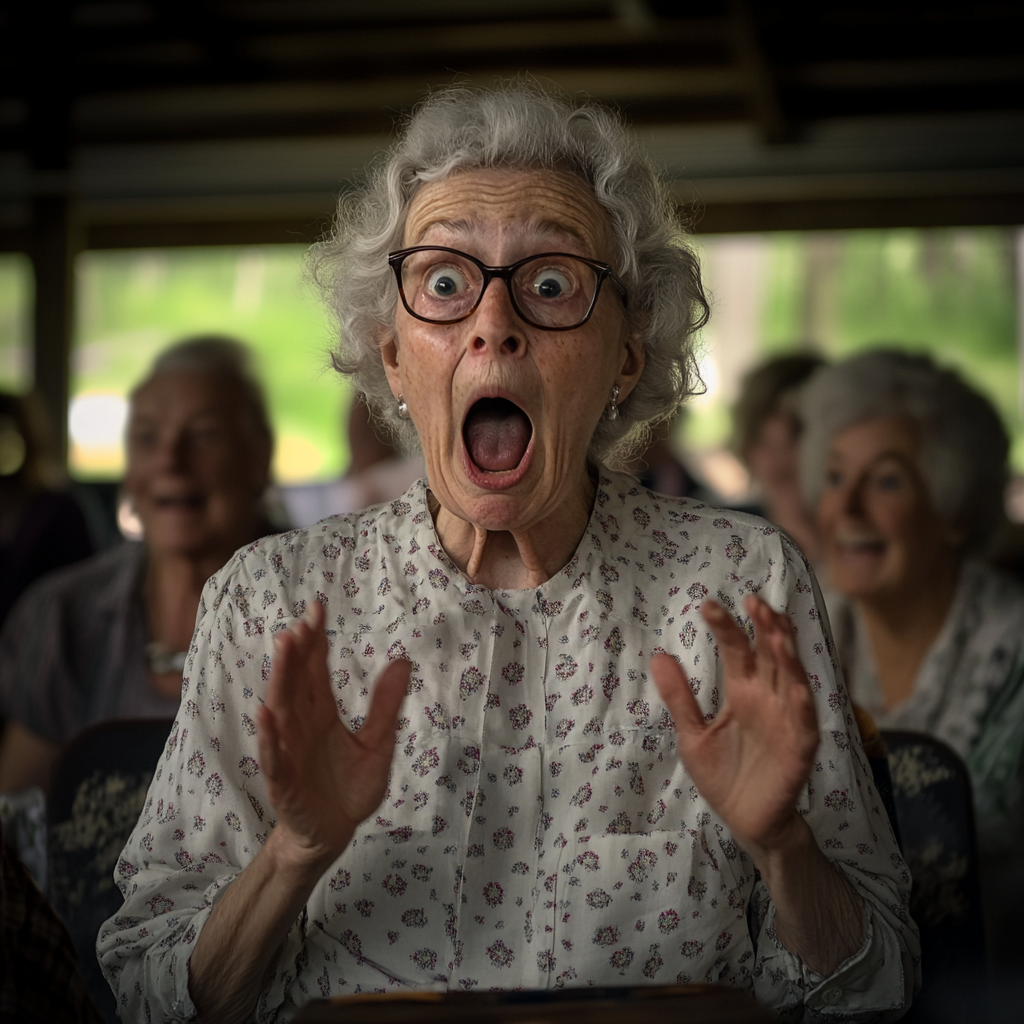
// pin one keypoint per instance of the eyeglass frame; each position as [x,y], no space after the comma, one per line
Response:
[397,258]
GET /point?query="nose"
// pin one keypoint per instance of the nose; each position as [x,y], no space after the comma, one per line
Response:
[495,326]
[853,497]
[172,454]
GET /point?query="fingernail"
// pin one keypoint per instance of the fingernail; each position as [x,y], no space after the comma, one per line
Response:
[307,617]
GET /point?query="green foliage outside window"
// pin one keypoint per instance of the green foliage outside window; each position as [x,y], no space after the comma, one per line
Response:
[133,303]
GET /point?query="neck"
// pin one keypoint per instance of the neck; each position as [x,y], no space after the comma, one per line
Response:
[901,630]
[518,558]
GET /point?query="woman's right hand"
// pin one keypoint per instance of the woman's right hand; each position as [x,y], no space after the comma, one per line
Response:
[322,779]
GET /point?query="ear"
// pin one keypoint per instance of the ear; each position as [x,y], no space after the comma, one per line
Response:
[388,346]
[632,367]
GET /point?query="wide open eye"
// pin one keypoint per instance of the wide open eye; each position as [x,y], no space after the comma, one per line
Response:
[445,283]
[552,283]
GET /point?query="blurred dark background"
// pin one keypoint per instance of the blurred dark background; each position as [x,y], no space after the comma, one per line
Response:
[143,123]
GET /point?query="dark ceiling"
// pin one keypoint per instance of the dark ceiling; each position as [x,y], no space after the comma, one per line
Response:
[213,120]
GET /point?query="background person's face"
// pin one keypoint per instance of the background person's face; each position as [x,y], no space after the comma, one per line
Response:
[506,464]
[196,467]
[882,537]
[774,456]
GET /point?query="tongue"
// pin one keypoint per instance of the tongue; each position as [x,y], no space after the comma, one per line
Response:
[497,434]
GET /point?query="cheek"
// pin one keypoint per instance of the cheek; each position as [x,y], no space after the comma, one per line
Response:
[897,518]
[828,512]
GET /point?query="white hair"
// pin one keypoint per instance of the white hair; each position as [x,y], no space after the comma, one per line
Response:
[520,126]
[220,356]
[963,443]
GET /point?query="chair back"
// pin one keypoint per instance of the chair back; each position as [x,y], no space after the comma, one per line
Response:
[97,793]
[935,814]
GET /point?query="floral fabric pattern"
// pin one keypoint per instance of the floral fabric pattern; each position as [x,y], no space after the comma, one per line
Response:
[539,829]
[969,692]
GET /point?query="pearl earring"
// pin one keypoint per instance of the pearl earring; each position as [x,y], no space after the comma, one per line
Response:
[613,409]
[403,408]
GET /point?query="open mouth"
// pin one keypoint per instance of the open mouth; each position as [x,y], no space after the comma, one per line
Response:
[862,545]
[497,434]
[181,502]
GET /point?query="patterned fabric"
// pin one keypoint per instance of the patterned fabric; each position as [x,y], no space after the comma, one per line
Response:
[969,693]
[39,979]
[932,793]
[969,663]
[73,651]
[539,829]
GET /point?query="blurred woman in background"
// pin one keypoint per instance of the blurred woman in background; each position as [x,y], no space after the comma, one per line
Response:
[906,466]
[766,439]
[105,639]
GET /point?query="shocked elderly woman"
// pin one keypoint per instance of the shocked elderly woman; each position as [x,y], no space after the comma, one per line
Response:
[595,777]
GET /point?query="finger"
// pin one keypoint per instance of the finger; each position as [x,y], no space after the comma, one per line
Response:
[268,742]
[281,672]
[674,687]
[315,617]
[775,649]
[379,728]
[733,644]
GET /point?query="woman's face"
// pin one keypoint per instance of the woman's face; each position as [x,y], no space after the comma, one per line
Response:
[196,466]
[506,465]
[774,457]
[882,537]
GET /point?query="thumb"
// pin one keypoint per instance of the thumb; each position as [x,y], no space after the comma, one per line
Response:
[388,694]
[674,687]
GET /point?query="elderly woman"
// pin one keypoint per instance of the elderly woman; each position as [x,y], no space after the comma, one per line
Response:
[766,438]
[437,744]
[106,638]
[906,467]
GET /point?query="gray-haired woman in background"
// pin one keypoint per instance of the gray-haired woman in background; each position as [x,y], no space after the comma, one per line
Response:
[906,466]
[106,638]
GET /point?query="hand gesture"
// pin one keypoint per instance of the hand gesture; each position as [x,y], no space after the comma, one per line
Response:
[751,762]
[323,779]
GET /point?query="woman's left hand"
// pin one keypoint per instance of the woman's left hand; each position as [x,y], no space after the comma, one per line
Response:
[753,759]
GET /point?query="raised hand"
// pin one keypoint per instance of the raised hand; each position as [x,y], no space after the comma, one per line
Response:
[323,779]
[751,762]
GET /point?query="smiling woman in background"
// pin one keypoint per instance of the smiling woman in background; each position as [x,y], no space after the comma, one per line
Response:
[906,466]
[105,639]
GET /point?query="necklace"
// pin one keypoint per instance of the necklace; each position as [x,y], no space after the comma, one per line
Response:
[162,659]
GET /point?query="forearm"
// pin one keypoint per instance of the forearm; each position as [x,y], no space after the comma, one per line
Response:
[227,970]
[818,915]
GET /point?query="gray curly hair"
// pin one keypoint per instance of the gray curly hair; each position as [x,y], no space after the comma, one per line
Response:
[220,356]
[963,443]
[519,126]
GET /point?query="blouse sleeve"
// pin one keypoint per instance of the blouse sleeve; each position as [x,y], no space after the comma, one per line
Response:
[852,828]
[206,813]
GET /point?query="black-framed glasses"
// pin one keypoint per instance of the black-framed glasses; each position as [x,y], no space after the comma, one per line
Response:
[554,291]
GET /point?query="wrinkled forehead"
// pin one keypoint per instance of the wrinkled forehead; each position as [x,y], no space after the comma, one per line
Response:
[510,214]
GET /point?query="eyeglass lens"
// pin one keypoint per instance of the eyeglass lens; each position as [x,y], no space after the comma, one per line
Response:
[551,291]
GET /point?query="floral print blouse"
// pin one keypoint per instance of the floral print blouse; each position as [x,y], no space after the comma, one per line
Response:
[969,692]
[539,829]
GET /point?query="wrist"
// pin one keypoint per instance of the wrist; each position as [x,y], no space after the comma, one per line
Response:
[298,859]
[786,846]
